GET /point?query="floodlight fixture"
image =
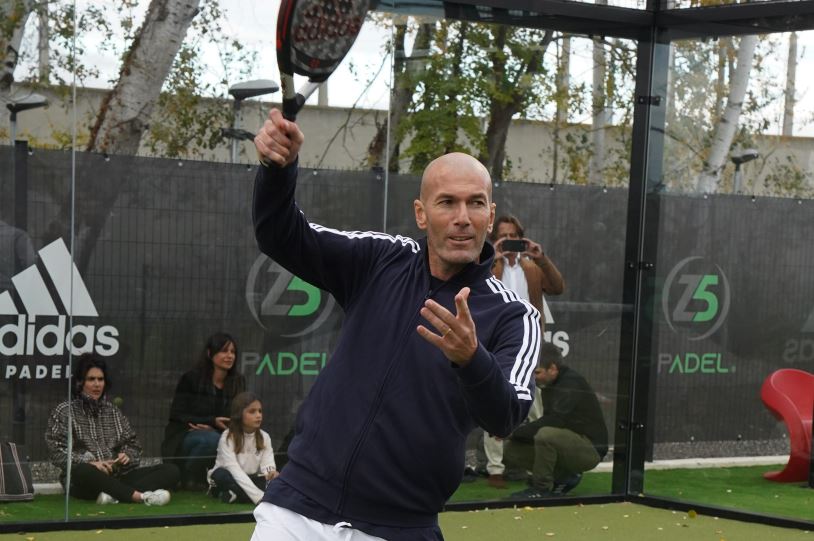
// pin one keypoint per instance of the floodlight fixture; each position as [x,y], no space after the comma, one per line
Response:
[23,102]
[739,157]
[242,91]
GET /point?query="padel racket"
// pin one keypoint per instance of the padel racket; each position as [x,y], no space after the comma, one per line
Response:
[313,36]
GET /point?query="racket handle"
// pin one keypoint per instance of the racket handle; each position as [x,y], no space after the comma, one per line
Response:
[292,106]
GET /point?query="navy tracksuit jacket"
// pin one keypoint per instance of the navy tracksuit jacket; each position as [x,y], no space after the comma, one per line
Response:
[380,437]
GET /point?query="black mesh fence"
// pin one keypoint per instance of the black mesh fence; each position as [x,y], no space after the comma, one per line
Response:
[167,252]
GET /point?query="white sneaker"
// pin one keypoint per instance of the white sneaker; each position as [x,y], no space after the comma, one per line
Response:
[156,497]
[228,496]
[104,498]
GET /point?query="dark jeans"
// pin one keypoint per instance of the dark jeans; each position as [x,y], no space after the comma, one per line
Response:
[87,481]
[224,481]
[199,449]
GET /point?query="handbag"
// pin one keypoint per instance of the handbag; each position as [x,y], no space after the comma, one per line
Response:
[15,474]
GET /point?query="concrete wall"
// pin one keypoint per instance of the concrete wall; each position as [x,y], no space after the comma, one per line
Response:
[347,133]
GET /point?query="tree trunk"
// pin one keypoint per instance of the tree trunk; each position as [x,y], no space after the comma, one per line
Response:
[501,113]
[563,82]
[720,82]
[725,129]
[125,111]
[406,70]
[43,48]
[669,106]
[599,119]
[791,83]
[12,25]
[450,144]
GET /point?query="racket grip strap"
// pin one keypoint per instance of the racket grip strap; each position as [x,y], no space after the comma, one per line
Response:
[292,106]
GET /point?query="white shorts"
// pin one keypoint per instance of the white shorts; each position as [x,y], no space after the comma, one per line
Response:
[275,523]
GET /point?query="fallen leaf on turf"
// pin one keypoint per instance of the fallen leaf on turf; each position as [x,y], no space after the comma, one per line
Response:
[549,534]
[464,527]
[604,527]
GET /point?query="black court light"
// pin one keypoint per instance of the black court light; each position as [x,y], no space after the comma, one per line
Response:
[23,102]
[239,92]
[740,157]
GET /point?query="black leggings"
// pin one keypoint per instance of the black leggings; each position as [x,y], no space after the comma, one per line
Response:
[87,481]
[225,481]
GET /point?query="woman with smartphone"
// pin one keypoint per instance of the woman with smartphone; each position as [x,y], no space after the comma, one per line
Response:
[106,453]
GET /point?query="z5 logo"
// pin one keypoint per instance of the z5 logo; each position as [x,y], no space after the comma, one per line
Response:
[698,301]
[284,303]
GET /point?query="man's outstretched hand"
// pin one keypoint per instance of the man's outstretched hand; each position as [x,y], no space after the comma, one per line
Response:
[457,337]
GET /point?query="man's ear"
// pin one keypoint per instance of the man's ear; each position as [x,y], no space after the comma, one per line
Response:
[420,214]
[491,218]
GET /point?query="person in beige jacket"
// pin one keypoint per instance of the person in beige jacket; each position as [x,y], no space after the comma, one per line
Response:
[531,274]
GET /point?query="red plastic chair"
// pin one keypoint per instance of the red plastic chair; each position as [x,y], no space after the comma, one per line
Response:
[789,394]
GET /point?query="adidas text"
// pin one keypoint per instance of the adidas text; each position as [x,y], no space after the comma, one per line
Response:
[29,336]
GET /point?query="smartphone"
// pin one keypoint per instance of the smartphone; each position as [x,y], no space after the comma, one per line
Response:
[514,245]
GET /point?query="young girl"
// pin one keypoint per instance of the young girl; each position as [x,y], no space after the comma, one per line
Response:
[245,460]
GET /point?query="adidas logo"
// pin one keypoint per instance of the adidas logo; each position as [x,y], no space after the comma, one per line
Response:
[28,336]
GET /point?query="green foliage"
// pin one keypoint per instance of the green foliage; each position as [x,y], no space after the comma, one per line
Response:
[191,111]
[785,177]
[187,121]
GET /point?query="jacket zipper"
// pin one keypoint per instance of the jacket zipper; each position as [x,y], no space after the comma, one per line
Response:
[375,408]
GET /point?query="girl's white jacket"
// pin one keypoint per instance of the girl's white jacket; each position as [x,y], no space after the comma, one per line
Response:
[250,461]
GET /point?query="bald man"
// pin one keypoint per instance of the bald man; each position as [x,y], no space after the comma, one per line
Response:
[431,346]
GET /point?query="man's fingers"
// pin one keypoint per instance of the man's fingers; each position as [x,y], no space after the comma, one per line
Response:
[430,336]
[436,319]
[461,303]
[278,140]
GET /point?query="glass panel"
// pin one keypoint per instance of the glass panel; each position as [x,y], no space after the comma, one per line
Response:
[733,216]
[165,244]
[555,150]
[35,298]
[162,248]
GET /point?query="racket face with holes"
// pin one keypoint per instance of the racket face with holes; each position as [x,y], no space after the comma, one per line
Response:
[313,36]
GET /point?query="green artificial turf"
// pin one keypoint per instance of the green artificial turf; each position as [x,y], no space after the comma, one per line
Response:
[607,522]
[741,488]
[52,507]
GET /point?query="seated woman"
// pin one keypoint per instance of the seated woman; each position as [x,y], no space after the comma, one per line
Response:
[200,410]
[106,453]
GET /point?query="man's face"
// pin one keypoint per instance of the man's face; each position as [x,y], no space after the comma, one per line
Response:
[457,212]
[507,230]
[545,376]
